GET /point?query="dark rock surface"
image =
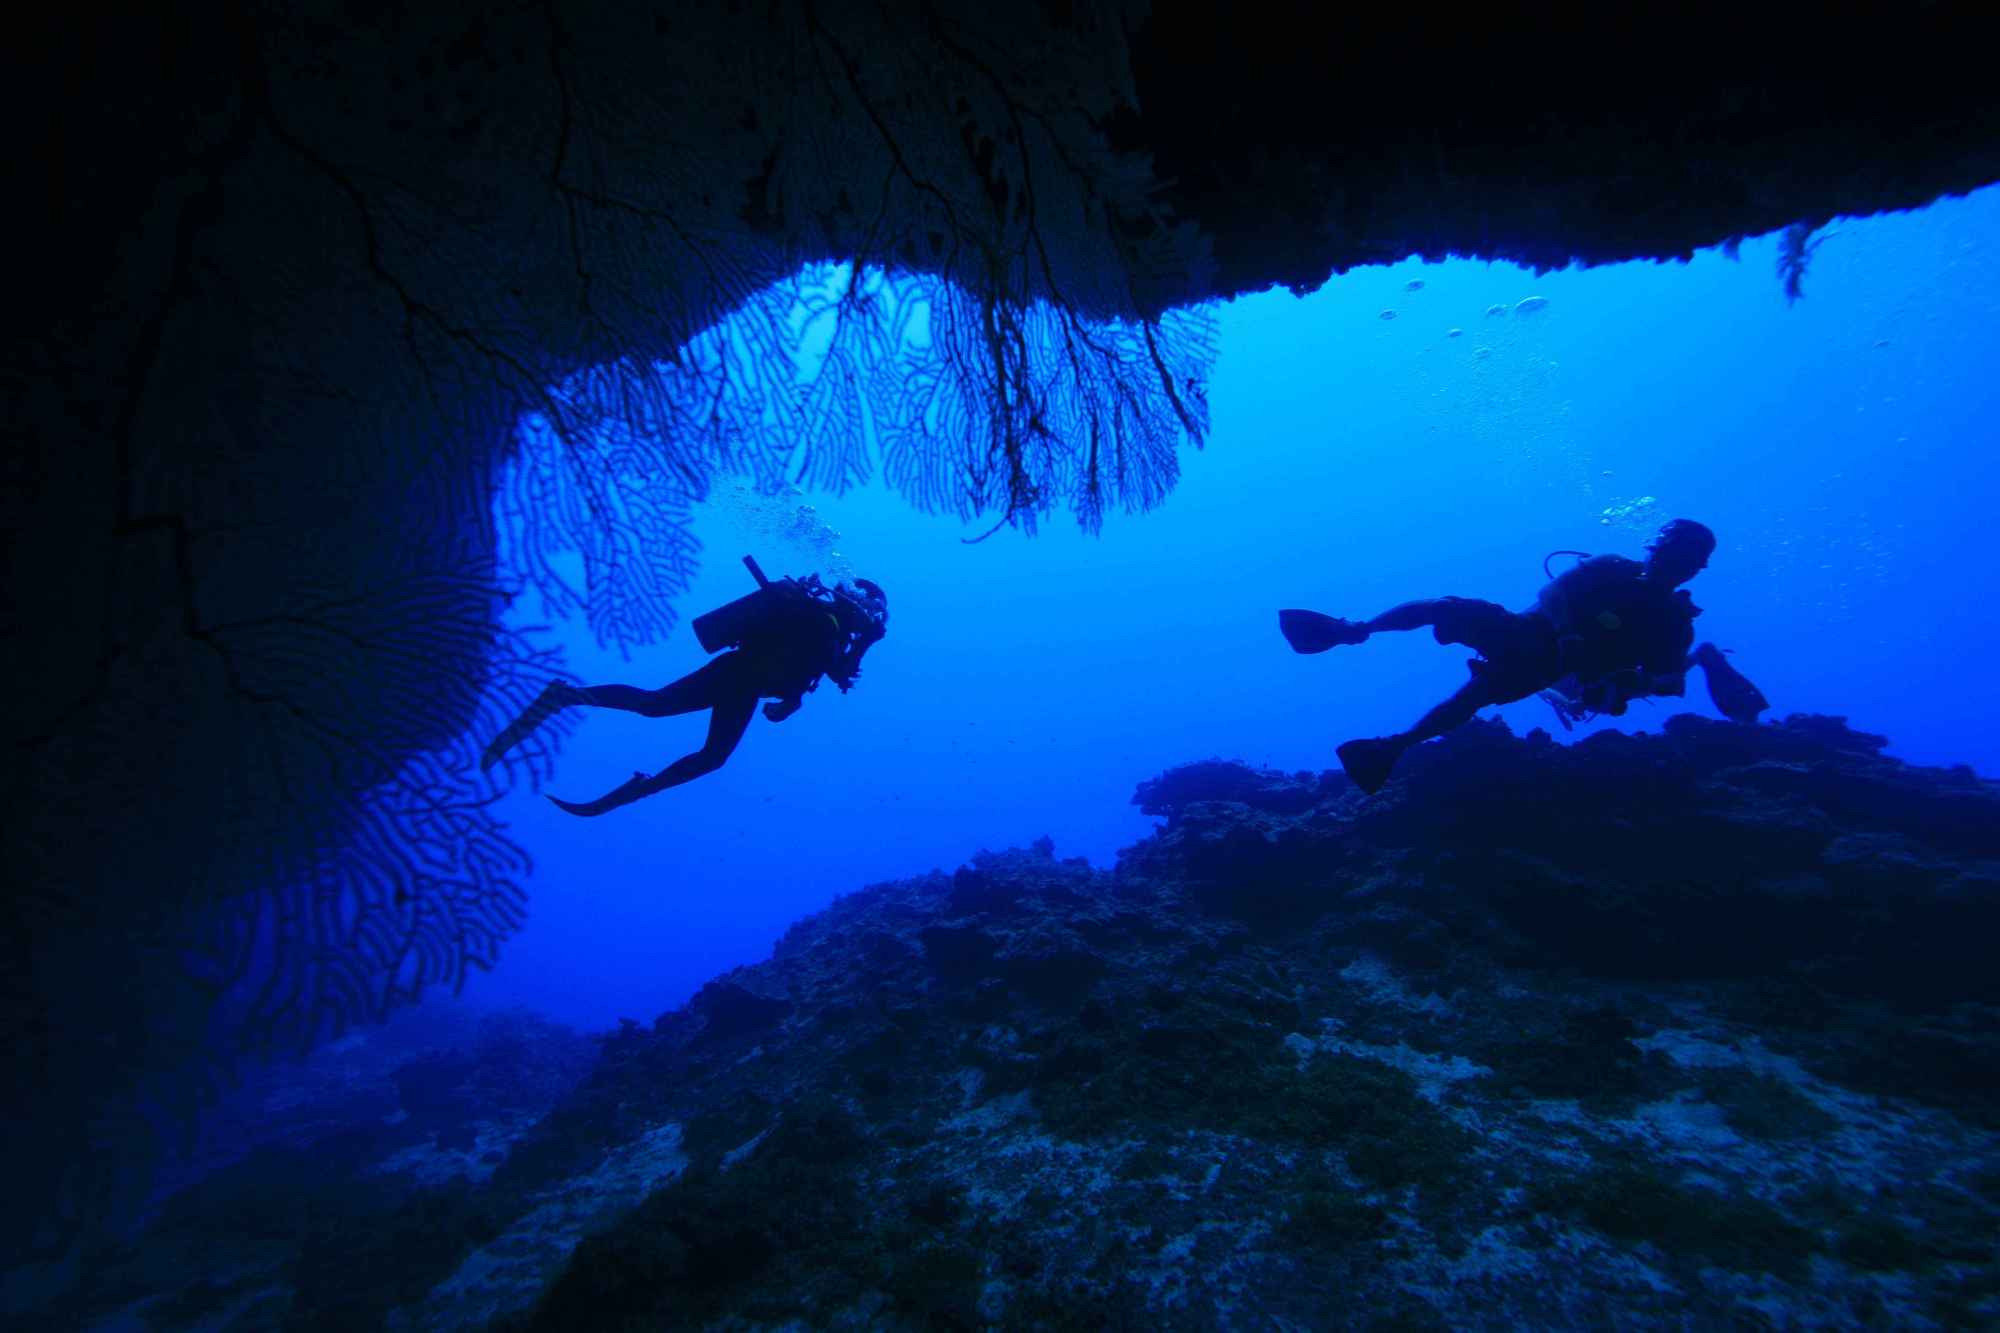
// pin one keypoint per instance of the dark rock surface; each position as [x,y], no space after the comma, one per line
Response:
[1668,1030]
[326,1191]
[1385,132]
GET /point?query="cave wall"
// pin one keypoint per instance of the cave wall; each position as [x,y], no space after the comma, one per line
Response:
[1303,143]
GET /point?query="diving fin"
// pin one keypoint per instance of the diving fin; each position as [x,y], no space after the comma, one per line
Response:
[640,784]
[1729,689]
[555,696]
[1368,763]
[1311,632]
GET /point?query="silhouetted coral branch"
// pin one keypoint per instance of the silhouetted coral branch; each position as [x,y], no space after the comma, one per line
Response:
[975,401]
[1796,246]
[1023,407]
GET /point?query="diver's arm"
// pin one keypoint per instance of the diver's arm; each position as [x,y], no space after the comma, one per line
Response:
[1663,674]
[846,668]
[792,697]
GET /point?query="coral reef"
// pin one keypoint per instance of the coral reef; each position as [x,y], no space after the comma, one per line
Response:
[326,1192]
[1650,1029]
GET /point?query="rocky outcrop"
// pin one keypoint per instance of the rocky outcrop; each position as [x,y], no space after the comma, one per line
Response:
[1651,1029]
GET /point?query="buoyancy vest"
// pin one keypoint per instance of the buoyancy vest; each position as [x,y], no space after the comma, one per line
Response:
[1609,616]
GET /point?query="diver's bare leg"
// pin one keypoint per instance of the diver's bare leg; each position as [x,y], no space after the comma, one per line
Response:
[1369,762]
[1456,711]
[726,725]
[1407,615]
[693,692]
[698,689]
[1313,632]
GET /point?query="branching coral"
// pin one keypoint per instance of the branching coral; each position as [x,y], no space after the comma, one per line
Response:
[1796,246]
[1021,407]
[970,402]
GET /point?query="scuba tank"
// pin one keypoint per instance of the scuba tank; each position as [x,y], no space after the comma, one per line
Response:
[728,624]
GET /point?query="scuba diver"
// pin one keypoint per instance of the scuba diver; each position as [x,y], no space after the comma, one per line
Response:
[1606,632]
[780,639]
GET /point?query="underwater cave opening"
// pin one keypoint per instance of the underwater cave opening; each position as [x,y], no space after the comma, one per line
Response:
[1029,683]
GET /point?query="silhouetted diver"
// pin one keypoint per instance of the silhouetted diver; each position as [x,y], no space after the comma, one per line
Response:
[780,639]
[1606,632]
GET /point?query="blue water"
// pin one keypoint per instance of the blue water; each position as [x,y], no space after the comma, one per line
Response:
[1842,448]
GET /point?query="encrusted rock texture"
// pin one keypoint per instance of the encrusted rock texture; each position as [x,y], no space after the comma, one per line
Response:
[1686,1029]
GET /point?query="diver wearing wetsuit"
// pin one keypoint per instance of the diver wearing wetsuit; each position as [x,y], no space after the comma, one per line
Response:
[775,644]
[1606,632]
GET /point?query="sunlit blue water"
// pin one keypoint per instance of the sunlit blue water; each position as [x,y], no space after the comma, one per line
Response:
[1842,448]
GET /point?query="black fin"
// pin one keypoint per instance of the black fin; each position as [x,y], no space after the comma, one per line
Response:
[1311,632]
[1732,692]
[1368,763]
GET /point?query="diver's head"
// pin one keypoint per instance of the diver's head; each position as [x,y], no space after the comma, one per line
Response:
[864,606]
[1680,552]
